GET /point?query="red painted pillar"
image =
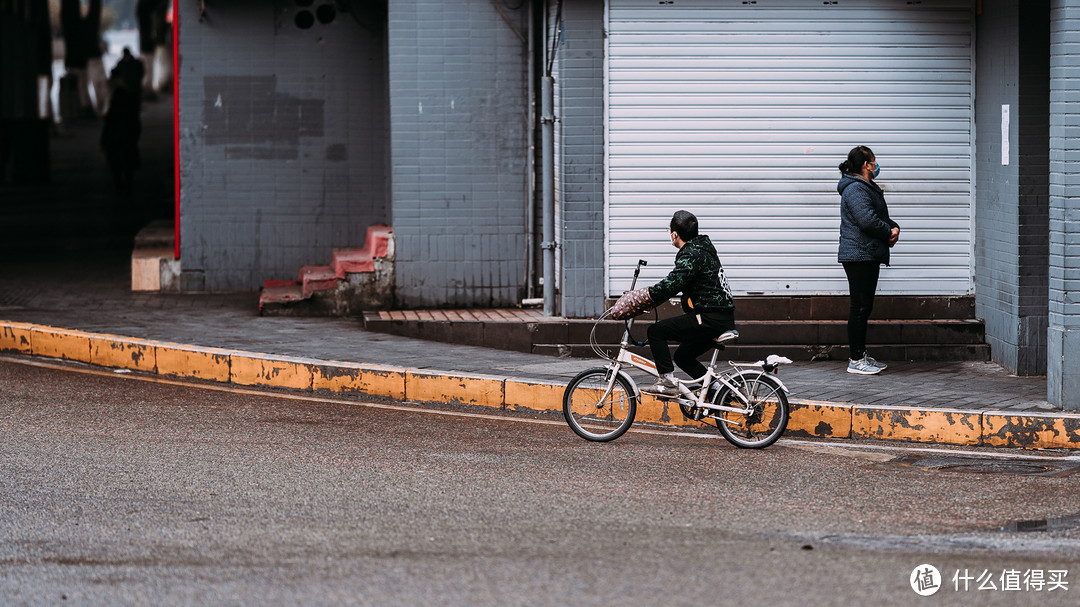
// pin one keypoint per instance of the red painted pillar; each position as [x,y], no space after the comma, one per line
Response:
[176,125]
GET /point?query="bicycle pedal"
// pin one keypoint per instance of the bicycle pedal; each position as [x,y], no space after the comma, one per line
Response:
[698,412]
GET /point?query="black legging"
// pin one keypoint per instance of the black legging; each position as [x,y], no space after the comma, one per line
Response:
[862,279]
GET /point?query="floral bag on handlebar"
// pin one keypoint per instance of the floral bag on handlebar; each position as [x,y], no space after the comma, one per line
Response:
[632,303]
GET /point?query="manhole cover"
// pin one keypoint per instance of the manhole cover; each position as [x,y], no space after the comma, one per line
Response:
[1065,523]
[985,465]
[998,467]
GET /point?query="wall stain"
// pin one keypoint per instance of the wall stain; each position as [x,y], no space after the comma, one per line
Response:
[253,120]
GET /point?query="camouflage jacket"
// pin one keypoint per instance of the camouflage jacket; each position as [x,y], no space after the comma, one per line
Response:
[699,276]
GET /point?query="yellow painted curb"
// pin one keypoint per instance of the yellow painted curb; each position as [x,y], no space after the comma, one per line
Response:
[652,410]
[659,411]
[192,361]
[819,419]
[345,377]
[269,370]
[808,418]
[122,353]
[520,394]
[60,343]
[953,426]
[15,337]
[481,390]
[1031,430]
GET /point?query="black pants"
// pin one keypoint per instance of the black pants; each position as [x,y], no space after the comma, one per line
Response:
[696,339]
[862,279]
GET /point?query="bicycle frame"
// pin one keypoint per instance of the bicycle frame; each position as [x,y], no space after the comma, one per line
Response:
[687,396]
[690,397]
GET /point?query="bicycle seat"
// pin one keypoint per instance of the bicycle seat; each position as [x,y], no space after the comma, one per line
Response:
[726,336]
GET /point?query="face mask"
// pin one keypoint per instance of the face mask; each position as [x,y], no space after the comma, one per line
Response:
[877,170]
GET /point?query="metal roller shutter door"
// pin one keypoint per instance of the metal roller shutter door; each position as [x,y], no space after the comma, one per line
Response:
[740,112]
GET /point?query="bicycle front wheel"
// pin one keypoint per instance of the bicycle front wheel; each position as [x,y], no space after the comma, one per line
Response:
[595,412]
[767,418]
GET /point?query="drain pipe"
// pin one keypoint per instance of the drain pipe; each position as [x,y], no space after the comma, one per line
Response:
[547,151]
[530,178]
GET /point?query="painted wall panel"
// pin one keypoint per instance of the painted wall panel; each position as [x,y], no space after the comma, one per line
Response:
[283,140]
[459,124]
[580,167]
[1063,330]
[1012,199]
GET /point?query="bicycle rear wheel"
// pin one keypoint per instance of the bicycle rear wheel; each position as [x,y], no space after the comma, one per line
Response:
[595,413]
[768,417]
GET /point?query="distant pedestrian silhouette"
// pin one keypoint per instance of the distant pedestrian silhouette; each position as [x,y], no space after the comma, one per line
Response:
[129,72]
[120,137]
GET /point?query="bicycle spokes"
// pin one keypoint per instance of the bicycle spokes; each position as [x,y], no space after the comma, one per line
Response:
[599,407]
[764,417]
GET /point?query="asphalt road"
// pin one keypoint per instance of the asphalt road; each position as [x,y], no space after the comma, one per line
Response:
[123,490]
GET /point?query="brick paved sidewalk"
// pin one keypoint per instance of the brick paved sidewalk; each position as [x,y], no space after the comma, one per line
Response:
[94,295]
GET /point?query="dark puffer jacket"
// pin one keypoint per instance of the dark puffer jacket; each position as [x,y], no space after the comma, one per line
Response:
[699,276]
[865,225]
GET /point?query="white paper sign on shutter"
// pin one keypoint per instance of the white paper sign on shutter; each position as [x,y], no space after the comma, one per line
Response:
[740,111]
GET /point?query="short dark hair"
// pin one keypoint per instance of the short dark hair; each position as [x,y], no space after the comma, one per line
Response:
[858,156]
[684,224]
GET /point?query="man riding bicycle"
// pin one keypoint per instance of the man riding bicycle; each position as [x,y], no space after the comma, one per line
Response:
[708,308]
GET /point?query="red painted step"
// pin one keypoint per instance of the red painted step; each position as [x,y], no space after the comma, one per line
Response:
[317,278]
[314,279]
[352,261]
[280,292]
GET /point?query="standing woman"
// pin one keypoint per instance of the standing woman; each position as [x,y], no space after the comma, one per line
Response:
[866,235]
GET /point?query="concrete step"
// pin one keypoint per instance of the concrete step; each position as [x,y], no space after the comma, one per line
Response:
[154,267]
[882,352]
[921,340]
[768,332]
[278,293]
[351,261]
[354,261]
[836,307]
[287,298]
[158,234]
[317,278]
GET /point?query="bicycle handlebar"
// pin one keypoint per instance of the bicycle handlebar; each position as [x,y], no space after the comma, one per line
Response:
[637,271]
[633,285]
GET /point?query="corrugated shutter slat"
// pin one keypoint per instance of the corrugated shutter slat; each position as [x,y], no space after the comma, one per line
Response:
[740,113]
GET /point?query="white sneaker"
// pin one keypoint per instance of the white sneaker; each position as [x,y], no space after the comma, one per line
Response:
[862,367]
[662,387]
[879,365]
